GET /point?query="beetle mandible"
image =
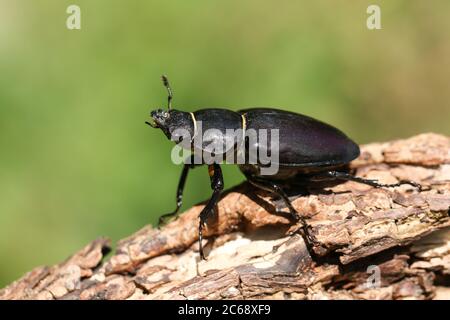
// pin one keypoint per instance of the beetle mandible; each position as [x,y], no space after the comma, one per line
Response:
[309,150]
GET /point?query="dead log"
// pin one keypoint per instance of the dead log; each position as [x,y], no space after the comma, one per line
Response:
[363,243]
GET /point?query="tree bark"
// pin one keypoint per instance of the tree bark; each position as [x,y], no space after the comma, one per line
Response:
[363,242]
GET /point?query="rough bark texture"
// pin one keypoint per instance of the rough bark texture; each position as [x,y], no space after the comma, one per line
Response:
[356,232]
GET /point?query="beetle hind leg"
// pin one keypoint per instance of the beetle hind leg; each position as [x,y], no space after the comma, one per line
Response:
[337,175]
[277,190]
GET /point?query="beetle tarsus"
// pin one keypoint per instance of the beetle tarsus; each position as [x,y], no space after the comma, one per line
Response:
[165,217]
[371,182]
[200,239]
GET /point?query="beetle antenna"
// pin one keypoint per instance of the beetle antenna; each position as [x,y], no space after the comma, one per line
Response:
[165,81]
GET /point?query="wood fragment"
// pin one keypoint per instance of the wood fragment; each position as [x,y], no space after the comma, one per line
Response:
[355,232]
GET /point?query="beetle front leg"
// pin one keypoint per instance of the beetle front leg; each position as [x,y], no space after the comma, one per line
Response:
[215,174]
[337,175]
[180,190]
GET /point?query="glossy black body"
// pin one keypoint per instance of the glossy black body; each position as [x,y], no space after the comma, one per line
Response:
[306,145]
[303,141]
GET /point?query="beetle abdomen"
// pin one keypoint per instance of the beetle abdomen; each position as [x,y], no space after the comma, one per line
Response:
[303,141]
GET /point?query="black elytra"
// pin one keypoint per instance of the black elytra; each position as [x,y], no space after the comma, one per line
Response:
[308,150]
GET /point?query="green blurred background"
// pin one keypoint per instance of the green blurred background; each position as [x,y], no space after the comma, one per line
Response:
[77,160]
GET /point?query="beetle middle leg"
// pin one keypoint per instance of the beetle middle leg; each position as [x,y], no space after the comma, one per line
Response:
[276,189]
[216,177]
[337,175]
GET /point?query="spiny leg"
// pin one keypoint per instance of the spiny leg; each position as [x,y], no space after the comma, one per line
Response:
[215,174]
[188,165]
[278,190]
[333,175]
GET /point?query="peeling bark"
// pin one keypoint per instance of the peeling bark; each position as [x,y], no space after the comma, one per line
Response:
[354,233]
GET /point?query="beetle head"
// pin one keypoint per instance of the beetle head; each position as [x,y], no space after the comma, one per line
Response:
[177,125]
[159,118]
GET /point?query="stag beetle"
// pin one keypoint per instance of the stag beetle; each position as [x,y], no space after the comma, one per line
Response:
[308,150]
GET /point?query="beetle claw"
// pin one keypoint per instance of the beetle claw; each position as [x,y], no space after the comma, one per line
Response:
[412,183]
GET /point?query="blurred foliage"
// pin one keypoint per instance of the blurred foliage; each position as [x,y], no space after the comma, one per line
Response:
[77,160]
